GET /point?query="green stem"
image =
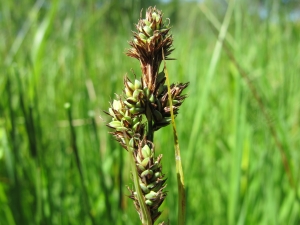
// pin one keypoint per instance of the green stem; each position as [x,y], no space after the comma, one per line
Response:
[101,172]
[145,217]
[78,163]
[16,192]
[179,171]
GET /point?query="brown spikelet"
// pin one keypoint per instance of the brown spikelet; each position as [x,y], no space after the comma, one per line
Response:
[152,37]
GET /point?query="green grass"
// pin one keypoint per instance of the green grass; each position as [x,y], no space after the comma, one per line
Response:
[52,172]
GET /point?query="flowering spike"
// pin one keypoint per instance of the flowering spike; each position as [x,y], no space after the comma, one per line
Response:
[145,108]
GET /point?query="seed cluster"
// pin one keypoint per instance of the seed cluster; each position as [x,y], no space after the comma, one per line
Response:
[152,181]
[144,108]
[150,41]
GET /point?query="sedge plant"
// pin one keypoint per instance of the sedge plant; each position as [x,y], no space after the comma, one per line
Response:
[146,105]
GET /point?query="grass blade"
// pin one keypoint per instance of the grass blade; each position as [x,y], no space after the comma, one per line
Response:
[208,80]
[78,163]
[179,171]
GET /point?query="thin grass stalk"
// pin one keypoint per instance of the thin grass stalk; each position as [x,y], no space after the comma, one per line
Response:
[11,129]
[78,163]
[92,97]
[33,147]
[102,181]
[120,179]
[144,213]
[258,99]
[254,92]
[236,156]
[33,132]
[32,16]
[262,107]
[209,78]
[16,190]
[217,25]
[179,170]
[7,216]
[38,167]
[28,122]
[37,133]
[32,140]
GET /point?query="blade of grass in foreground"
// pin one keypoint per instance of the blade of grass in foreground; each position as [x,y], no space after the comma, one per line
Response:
[179,171]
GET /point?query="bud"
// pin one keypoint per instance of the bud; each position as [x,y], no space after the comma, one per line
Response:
[149,202]
[146,152]
[144,188]
[152,185]
[137,93]
[148,30]
[148,173]
[117,105]
[146,92]
[146,22]
[128,92]
[157,174]
[135,126]
[130,85]
[138,104]
[131,142]
[152,98]
[111,112]
[127,119]
[151,195]
[140,168]
[136,110]
[137,84]
[142,36]
[129,104]
[121,129]
[115,124]
[145,162]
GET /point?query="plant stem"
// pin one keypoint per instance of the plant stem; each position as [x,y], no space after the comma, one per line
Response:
[78,163]
[179,171]
[145,217]
[101,172]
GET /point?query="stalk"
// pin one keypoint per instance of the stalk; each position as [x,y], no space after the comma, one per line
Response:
[179,170]
[16,191]
[101,172]
[144,213]
[78,163]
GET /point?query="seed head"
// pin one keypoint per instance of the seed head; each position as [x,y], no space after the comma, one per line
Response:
[150,40]
[144,108]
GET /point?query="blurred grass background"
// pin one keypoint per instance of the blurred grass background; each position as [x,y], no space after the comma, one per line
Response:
[59,165]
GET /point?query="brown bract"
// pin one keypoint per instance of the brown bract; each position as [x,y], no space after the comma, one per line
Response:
[150,41]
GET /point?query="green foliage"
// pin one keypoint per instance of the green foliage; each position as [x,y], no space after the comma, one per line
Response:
[73,51]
